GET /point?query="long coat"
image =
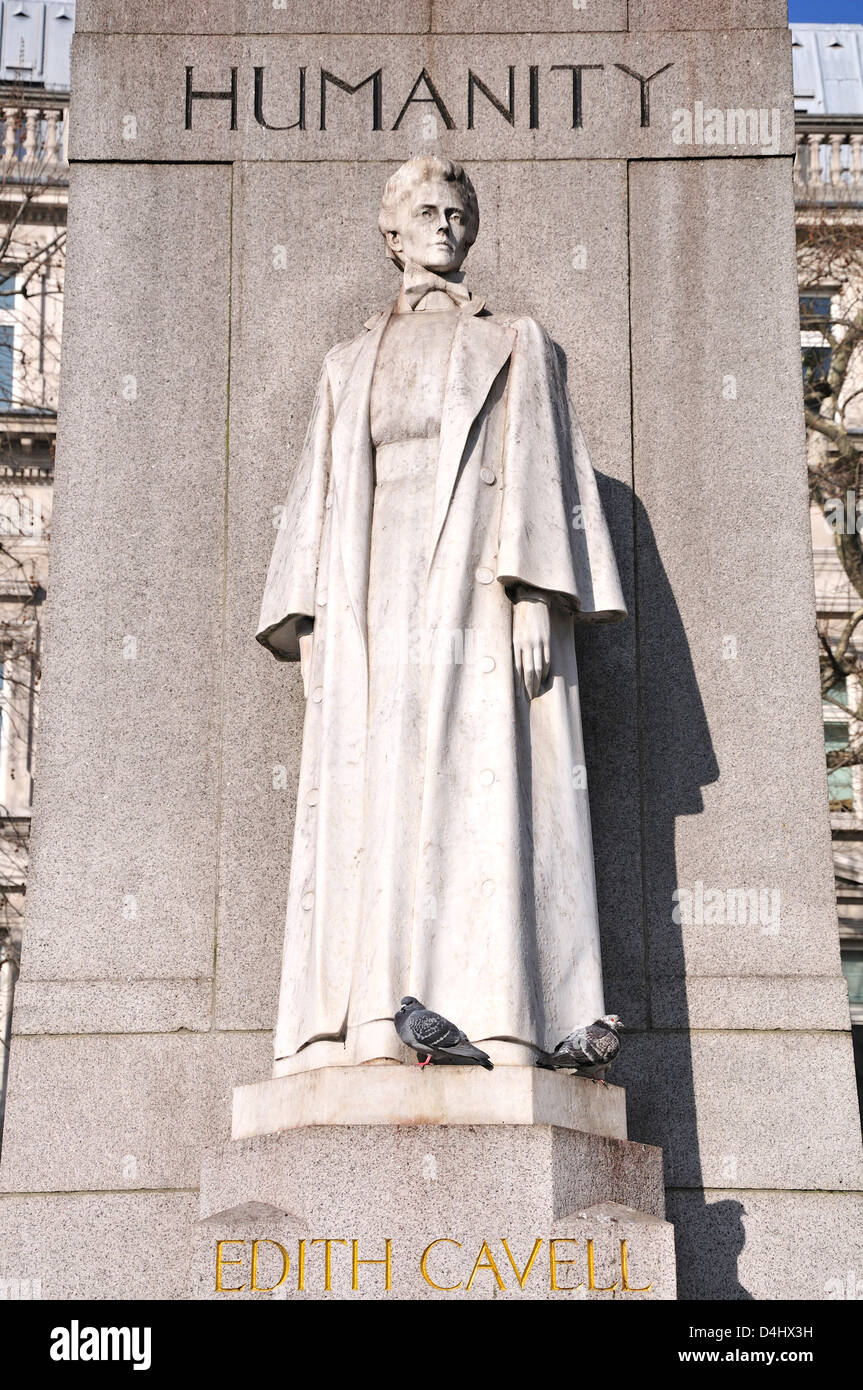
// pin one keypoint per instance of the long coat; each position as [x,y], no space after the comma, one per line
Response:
[502,931]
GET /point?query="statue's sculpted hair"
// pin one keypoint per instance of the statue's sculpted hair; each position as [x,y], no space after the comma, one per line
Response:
[409,177]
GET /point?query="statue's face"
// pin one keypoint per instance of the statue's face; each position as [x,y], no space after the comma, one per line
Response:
[433,228]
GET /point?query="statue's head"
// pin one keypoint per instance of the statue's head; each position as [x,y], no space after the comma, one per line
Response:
[429,214]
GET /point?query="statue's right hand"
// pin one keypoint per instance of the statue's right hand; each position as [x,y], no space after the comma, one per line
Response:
[305,641]
[531,642]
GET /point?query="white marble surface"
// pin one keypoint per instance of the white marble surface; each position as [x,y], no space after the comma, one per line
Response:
[443,536]
[429,1096]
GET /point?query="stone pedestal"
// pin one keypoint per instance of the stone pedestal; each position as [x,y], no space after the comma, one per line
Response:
[469,1177]
[408,1095]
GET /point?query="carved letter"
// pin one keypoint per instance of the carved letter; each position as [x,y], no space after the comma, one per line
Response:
[328,1242]
[624,1270]
[473,81]
[435,98]
[286,1264]
[554,1262]
[522,1278]
[230,96]
[488,1263]
[534,98]
[591,1273]
[376,79]
[221,1262]
[645,87]
[388,1261]
[443,1288]
[259,103]
[576,69]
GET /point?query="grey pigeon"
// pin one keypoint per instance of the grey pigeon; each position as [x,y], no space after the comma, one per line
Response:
[586,1051]
[432,1034]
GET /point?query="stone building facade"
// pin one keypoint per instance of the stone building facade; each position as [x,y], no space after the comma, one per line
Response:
[828,98]
[35,42]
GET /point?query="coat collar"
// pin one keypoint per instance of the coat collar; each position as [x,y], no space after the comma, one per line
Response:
[473,306]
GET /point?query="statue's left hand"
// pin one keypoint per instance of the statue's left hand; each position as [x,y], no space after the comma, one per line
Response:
[531,643]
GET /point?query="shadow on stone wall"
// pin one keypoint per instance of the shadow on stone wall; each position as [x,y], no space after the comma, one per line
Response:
[637,874]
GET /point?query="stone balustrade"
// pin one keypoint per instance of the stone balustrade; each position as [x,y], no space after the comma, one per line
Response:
[33,138]
[828,166]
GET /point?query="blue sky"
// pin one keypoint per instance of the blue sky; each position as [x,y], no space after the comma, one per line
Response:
[825,11]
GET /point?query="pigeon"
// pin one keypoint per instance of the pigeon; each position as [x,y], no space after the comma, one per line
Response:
[586,1051]
[432,1034]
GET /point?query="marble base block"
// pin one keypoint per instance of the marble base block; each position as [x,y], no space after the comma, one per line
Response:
[409,1095]
[461,1209]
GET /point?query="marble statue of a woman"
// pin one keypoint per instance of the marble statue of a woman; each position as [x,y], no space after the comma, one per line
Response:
[442,536]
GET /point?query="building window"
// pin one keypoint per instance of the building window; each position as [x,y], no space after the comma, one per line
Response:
[852,969]
[7,364]
[840,781]
[838,692]
[7,335]
[815,311]
[816,364]
[7,286]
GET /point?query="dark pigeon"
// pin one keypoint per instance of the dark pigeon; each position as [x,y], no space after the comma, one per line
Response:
[434,1037]
[587,1051]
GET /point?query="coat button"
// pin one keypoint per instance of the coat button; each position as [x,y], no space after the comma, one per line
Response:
[487,475]
[486,777]
[488,888]
[487,664]
[318,694]
[485,576]
[312,797]
[307,901]
[322,598]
